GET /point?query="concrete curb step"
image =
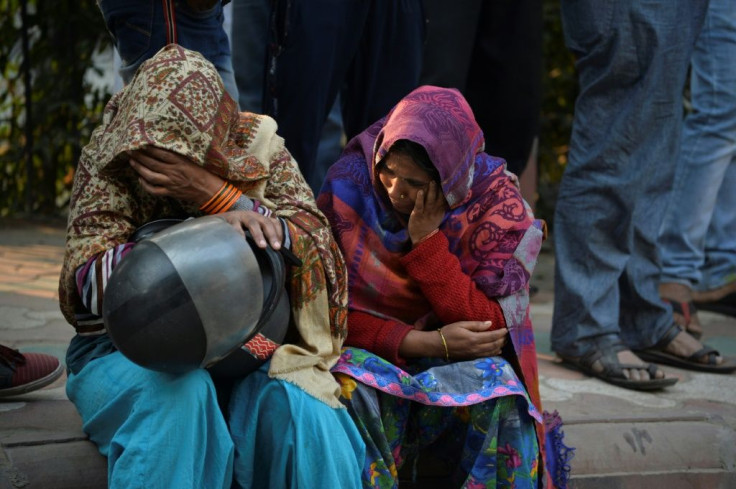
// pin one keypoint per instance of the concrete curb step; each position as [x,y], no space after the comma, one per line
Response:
[42,446]
[692,452]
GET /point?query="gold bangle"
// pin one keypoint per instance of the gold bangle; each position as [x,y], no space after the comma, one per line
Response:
[444,343]
[426,237]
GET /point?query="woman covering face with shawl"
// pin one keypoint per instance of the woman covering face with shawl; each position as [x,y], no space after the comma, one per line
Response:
[439,247]
[168,142]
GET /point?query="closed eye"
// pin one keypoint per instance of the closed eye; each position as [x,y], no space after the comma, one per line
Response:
[416,184]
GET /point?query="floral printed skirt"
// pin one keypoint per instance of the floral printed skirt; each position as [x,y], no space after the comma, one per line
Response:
[474,418]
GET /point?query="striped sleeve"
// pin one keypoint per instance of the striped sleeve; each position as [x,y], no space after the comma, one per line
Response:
[92,277]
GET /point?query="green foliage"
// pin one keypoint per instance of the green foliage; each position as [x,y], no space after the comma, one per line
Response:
[36,159]
[560,89]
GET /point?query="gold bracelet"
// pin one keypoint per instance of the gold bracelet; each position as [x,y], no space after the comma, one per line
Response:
[426,237]
[444,343]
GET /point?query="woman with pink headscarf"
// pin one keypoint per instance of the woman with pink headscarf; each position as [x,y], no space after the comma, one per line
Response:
[440,247]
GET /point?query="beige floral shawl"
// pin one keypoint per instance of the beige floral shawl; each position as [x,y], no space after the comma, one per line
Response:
[177,101]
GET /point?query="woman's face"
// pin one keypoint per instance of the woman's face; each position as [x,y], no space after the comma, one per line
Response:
[402,179]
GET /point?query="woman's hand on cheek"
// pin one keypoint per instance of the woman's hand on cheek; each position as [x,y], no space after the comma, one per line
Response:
[164,173]
[429,211]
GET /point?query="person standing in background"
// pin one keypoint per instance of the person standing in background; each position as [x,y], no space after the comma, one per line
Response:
[140,28]
[492,52]
[369,52]
[698,239]
[632,59]
[249,33]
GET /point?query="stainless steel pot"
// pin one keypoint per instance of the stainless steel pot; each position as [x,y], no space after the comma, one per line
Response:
[190,294]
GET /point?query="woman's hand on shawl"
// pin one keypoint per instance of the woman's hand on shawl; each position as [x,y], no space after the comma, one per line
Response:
[261,228]
[429,210]
[468,340]
[164,173]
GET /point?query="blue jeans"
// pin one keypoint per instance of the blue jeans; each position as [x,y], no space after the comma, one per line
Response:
[632,58]
[138,31]
[162,431]
[698,238]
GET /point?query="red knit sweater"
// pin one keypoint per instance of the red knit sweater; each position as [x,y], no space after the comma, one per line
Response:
[437,271]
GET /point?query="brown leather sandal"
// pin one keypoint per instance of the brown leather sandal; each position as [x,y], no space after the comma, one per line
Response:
[658,354]
[613,370]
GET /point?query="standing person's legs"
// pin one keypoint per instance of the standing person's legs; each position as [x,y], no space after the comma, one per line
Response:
[451,34]
[504,84]
[330,146]
[719,270]
[250,36]
[701,194]
[204,31]
[717,290]
[388,64]
[312,43]
[669,34]
[157,430]
[592,219]
[250,24]
[141,28]
[630,59]
[136,30]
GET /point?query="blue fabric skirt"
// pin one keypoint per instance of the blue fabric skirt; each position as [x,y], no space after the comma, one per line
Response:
[163,431]
[285,438]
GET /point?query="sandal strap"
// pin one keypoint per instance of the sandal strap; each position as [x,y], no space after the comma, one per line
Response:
[708,351]
[652,369]
[668,336]
[611,366]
